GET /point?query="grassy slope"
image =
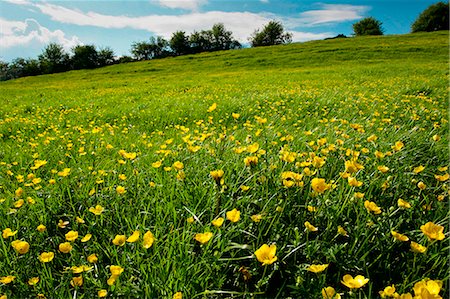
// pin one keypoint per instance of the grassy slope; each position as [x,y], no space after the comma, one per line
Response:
[295,87]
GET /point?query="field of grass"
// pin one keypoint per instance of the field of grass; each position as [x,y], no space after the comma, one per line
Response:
[271,172]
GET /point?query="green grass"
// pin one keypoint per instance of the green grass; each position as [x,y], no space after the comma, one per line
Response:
[320,99]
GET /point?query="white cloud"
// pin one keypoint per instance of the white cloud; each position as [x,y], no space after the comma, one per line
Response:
[298,36]
[192,5]
[264,1]
[333,13]
[17,33]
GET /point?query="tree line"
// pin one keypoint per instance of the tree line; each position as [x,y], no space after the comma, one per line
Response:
[55,59]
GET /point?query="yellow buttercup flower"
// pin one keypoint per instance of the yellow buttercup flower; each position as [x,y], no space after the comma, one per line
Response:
[418,169]
[120,190]
[398,146]
[20,247]
[319,185]
[433,231]
[427,289]
[310,227]
[33,281]
[342,231]
[7,232]
[354,283]
[330,293]
[212,107]
[417,248]
[218,222]
[65,247]
[41,228]
[7,279]
[71,236]
[256,218]
[253,148]
[156,164]
[177,295]
[86,238]
[98,210]
[317,268]
[388,292]
[442,178]
[372,207]
[134,237]
[92,258]
[352,181]
[116,270]
[46,257]
[77,281]
[234,215]
[217,175]
[353,166]
[383,168]
[251,160]
[178,165]
[421,185]
[102,293]
[203,238]
[403,204]
[266,254]
[119,240]
[149,239]
[399,236]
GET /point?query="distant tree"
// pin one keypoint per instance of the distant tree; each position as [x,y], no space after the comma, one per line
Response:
[125,59]
[179,43]
[4,71]
[368,26]
[222,39]
[157,47]
[84,57]
[160,46]
[105,56]
[142,50]
[201,41]
[54,59]
[272,34]
[435,17]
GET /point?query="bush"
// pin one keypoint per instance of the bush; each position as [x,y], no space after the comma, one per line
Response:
[434,18]
[368,26]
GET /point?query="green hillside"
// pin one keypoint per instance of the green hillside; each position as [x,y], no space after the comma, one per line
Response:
[324,160]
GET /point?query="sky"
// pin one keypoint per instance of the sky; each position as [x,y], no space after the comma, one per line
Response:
[27,26]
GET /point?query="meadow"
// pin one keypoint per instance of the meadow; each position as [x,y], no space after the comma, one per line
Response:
[313,170]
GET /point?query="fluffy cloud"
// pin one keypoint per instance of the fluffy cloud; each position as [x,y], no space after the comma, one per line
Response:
[17,33]
[192,5]
[333,13]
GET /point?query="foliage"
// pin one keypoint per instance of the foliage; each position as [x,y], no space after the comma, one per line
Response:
[105,56]
[84,57]
[54,59]
[235,177]
[155,48]
[434,18]
[272,34]
[368,26]
[179,43]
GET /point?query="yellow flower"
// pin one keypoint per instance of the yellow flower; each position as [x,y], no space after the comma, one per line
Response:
[244,188]
[372,138]
[19,192]
[342,231]
[120,190]
[433,231]
[399,236]
[71,236]
[256,218]
[156,164]
[46,257]
[353,166]
[253,148]
[354,283]
[98,210]
[436,138]
[217,175]
[358,195]
[212,107]
[21,247]
[403,204]
[77,281]
[398,146]
[418,169]
[86,238]
[266,254]
[102,293]
[64,173]
[442,178]
[33,281]
[190,220]
[119,240]
[203,238]
[7,279]
[19,203]
[112,280]
[218,222]
[421,185]
[310,227]
[317,268]
[405,296]
[62,224]
[372,207]
[178,165]
[149,239]
[79,220]
[7,232]
[251,160]
[388,292]
[115,270]
[427,289]
[233,215]
[65,247]
[383,168]
[417,248]
[92,258]
[319,185]
[352,181]
[330,293]
[177,295]
[235,115]
[134,237]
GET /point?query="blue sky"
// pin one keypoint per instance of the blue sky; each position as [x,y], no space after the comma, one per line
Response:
[27,26]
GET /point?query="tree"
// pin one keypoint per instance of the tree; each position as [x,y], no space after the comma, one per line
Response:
[368,26]
[157,47]
[84,57]
[54,59]
[434,18]
[200,41]
[105,56]
[179,43]
[272,34]
[222,39]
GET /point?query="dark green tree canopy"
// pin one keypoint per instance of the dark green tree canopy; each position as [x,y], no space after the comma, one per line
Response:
[84,57]
[54,59]
[434,18]
[368,26]
[179,43]
[272,34]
